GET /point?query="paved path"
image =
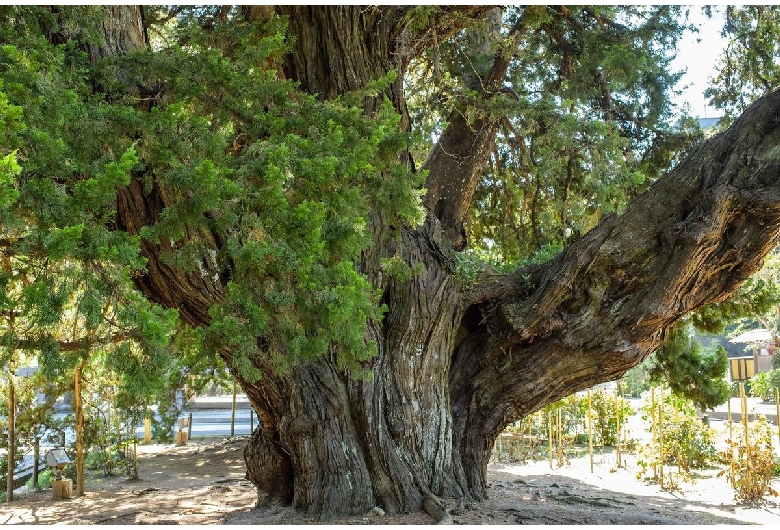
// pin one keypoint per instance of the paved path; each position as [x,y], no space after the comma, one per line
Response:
[755,406]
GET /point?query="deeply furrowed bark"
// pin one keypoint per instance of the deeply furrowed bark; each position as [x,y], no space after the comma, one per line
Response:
[454,365]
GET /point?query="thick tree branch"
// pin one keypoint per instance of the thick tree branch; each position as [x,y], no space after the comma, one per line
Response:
[79,344]
[601,306]
[455,163]
[383,34]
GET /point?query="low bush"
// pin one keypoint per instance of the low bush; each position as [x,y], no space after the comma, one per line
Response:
[763,385]
[45,478]
[687,442]
[106,460]
[605,409]
[750,466]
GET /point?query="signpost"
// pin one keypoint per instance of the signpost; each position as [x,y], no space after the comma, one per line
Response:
[60,487]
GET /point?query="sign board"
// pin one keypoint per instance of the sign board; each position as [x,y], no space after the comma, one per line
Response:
[57,458]
[742,368]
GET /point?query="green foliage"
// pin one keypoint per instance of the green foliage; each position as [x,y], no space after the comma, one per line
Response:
[31,418]
[689,372]
[163,423]
[45,479]
[284,179]
[748,67]
[67,277]
[636,381]
[529,433]
[758,297]
[4,477]
[687,442]
[588,125]
[763,384]
[292,202]
[526,441]
[467,267]
[106,460]
[396,268]
[607,409]
[573,411]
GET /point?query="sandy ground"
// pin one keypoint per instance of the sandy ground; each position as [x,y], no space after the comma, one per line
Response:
[203,483]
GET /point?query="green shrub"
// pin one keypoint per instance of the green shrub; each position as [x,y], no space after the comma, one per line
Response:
[634,382]
[163,424]
[45,478]
[531,432]
[687,442]
[4,468]
[4,476]
[763,385]
[106,460]
[605,408]
[748,388]
[760,386]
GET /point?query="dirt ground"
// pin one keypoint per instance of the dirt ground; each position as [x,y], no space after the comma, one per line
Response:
[203,483]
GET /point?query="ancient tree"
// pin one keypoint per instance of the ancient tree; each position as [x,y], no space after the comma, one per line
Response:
[381,372]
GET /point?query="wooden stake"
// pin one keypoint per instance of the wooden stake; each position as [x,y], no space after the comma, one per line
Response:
[36,461]
[9,489]
[777,414]
[661,433]
[550,437]
[147,431]
[135,455]
[731,433]
[743,395]
[560,438]
[677,435]
[653,429]
[590,432]
[619,462]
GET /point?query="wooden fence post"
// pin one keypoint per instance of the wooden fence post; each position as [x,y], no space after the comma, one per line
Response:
[777,415]
[661,433]
[233,412]
[590,432]
[731,433]
[147,431]
[653,430]
[743,400]
[618,461]
[550,436]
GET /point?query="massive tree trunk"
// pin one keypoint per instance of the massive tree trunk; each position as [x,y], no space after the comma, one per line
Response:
[455,364]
